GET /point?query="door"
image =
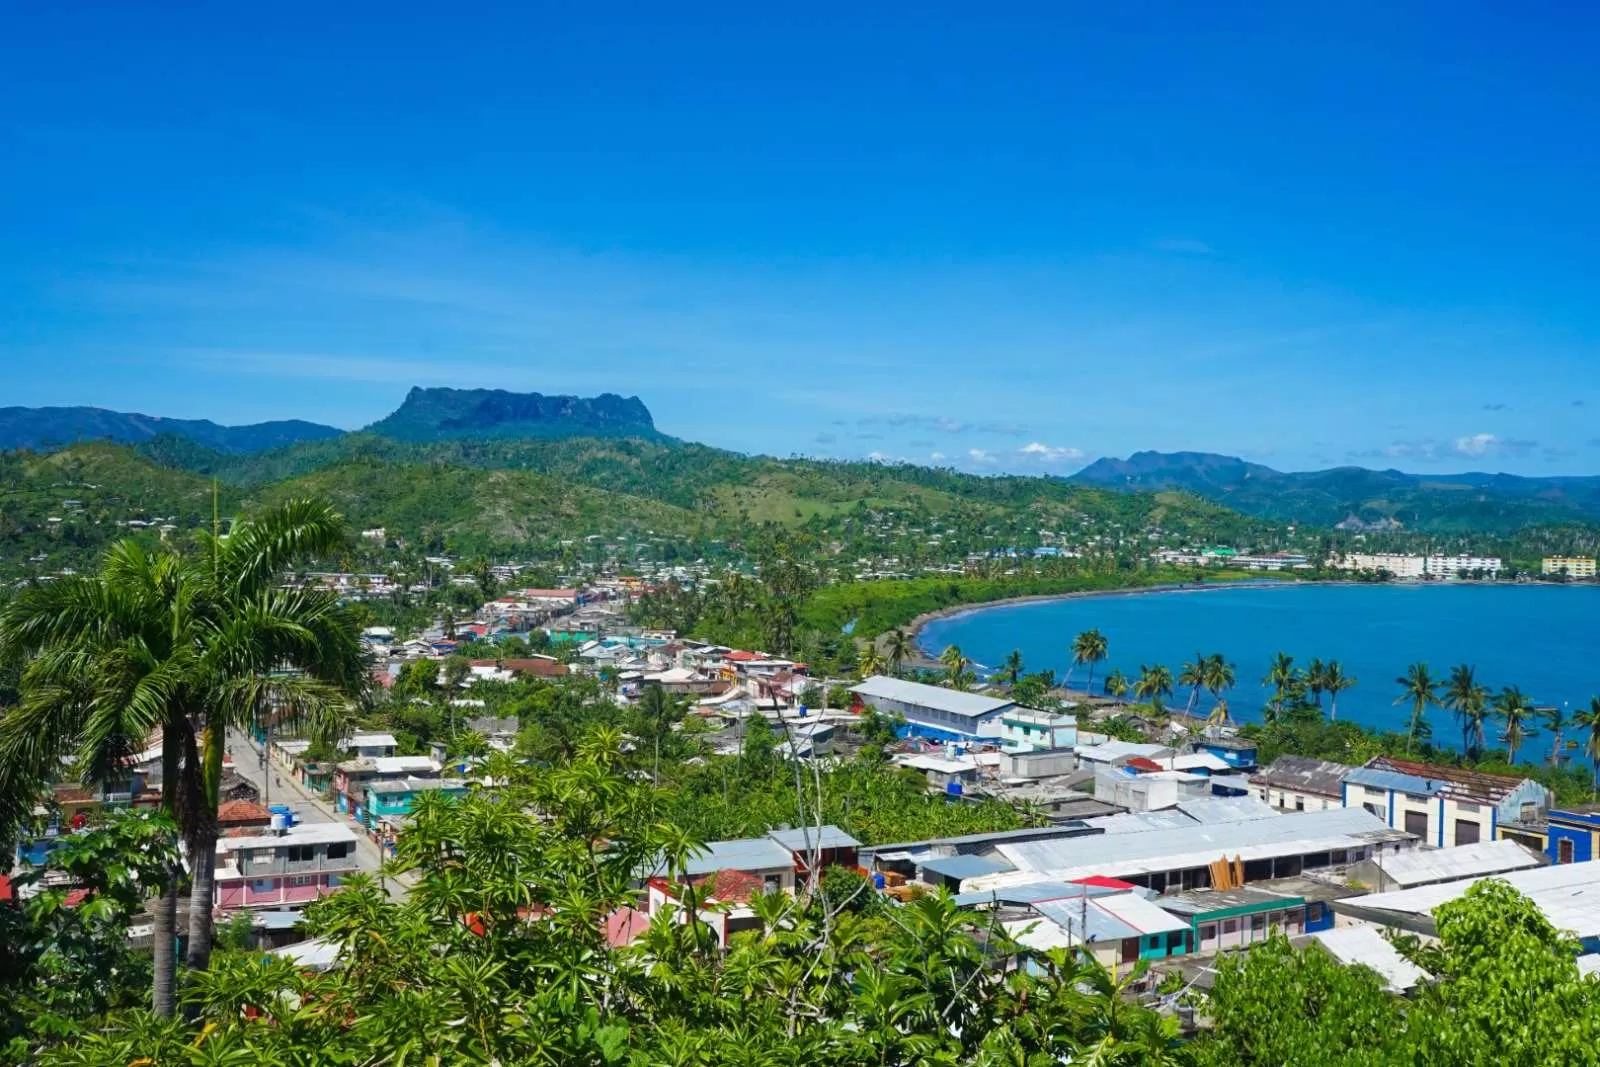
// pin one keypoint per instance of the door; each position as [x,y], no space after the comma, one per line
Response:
[1417,823]
[1466,832]
[1564,850]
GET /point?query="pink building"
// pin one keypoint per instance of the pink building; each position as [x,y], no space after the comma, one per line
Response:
[262,869]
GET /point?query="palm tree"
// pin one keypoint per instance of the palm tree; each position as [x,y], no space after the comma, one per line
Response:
[897,646]
[1281,676]
[1116,685]
[1220,675]
[1219,714]
[1588,720]
[1154,683]
[1555,719]
[1460,690]
[1011,666]
[1334,682]
[1315,671]
[1194,676]
[187,645]
[1089,647]
[956,667]
[870,663]
[1418,687]
[1514,709]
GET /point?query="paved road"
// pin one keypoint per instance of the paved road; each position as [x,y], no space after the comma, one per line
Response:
[276,788]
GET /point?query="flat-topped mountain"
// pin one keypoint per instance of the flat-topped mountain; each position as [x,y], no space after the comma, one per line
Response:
[444,414]
[43,429]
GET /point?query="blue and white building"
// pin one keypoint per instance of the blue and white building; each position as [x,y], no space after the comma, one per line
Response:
[1443,806]
[934,712]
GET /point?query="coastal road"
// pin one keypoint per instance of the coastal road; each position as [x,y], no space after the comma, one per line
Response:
[277,788]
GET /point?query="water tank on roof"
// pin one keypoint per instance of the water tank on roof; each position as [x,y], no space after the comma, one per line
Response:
[280,822]
[953,789]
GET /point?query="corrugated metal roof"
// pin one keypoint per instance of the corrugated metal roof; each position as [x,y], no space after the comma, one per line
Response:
[1210,901]
[1139,822]
[1226,809]
[1027,893]
[744,854]
[1196,845]
[1038,933]
[1141,914]
[1077,916]
[1118,750]
[971,705]
[1378,778]
[1323,777]
[1366,947]
[963,866]
[1424,866]
[804,838]
[1568,894]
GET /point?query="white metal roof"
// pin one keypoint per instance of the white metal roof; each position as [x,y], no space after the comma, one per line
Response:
[1141,914]
[369,740]
[1226,809]
[1195,761]
[1184,847]
[1364,945]
[1425,866]
[1115,750]
[316,833]
[917,694]
[1038,933]
[937,763]
[1568,894]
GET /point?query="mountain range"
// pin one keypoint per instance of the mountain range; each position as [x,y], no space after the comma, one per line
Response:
[1356,498]
[43,429]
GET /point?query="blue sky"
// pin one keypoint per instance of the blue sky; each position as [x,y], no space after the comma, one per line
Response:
[1002,237]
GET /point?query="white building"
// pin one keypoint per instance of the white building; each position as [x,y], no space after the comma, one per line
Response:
[1416,567]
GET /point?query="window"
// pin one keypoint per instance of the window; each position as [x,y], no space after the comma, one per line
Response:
[301,880]
[1230,926]
[340,849]
[299,853]
[1530,811]
[1466,807]
[1299,803]
[263,885]
[334,881]
[1373,809]
[1208,932]
[1417,823]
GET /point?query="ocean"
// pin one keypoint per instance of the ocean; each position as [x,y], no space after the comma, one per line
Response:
[1540,637]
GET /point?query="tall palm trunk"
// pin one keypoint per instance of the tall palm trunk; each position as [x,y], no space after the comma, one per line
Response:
[164,992]
[203,850]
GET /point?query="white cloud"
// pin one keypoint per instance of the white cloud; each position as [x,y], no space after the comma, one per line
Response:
[1476,444]
[936,456]
[949,426]
[979,455]
[1043,453]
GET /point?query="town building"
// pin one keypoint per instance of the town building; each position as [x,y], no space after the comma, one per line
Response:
[1427,866]
[1297,783]
[1564,835]
[933,711]
[1141,784]
[283,870]
[392,798]
[1579,567]
[351,778]
[1220,919]
[1117,926]
[1443,806]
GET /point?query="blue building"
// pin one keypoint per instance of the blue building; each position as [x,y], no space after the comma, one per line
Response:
[1236,752]
[932,711]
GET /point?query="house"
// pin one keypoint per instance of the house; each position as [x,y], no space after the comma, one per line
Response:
[371,744]
[1427,866]
[394,797]
[1118,927]
[1030,730]
[1298,783]
[242,814]
[776,858]
[932,711]
[725,896]
[947,774]
[1143,785]
[1116,753]
[1220,919]
[283,870]
[351,777]
[523,667]
[1236,752]
[501,733]
[1565,835]
[1443,805]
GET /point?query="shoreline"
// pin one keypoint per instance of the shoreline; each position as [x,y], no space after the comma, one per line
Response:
[915,627]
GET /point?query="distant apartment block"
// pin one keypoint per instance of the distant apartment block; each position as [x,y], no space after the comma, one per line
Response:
[1571,566]
[1416,567]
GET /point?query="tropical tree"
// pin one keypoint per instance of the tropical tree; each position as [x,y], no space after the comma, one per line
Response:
[1282,676]
[1011,667]
[1154,684]
[1220,675]
[1116,685]
[1468,701]
[1513,709]
[1588,720]
[1193,674]
[1419,688]
[1088,648]
[1555,720]
[870,662]
[182,646]
[1315,673]
[958,673]
[1334,682]
[897,646]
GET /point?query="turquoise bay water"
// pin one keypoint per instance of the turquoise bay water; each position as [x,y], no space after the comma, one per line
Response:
[1540,637]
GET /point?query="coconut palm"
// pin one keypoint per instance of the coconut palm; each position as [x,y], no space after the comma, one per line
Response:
[1514,709]
[1220,675]
[1419,688]
[1116,685]
[870,662]
[1154,684]
[1334,682]
[1088,649]
[958,676]
[1193,674]
[1281,676]
[1556,721]
[1588,720]
[187,645]
[1315,671]
[1461,692]
[1219,714]
[897,646]
[1011,666]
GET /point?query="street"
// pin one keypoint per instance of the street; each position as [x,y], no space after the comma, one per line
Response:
[277,788]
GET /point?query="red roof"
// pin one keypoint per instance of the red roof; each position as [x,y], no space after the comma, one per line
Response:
[624,925]
[1139,763]
[1102,882]
[243,813]
[6,893]
[733,887]
[741,656]
[542,666]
